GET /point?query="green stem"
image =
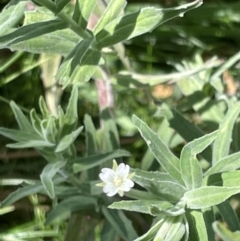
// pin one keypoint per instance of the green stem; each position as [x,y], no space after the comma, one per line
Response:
[12,59]
[73,25]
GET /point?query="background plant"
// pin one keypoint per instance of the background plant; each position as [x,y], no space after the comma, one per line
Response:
[199,91]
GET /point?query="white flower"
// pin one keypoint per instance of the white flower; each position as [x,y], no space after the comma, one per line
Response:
[116,180]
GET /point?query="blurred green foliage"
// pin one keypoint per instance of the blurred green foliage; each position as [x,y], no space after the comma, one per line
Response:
[211,30]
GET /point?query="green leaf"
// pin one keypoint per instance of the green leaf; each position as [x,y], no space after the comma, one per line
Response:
[138,23]
[141,206]
[107,232]
[222,143]
[229,215]
[164,156]
[91,144]
[150,234]
[175,210]
[228,163]
[60,4]
[82,12]
[226,179]
[64,209]
[197,227]
[36,122]
[23,122]
[167,228]
[71,115]
[184,127]
[88,162]
[57,42]
[21,193]
[68,140]
[43,108]
[31,31]
[18,135]
[205,197]
[190,167]
[86,69]
[176,231]
[158,176]
[31,144]
[112,11]
[120,223]
[209,218]
[11,15]
[110,131]
[166,190]
[90,132]
[73,59]
[224,233]
[49,171]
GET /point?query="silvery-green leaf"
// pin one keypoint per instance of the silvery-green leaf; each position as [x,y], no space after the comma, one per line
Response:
[161,152]
[222,143]
[11,15]
[141,206]
[190,167]
[224,233]
[49,171]
[112,11]
[82,12]
[228,163]
[138,23]
[205,197]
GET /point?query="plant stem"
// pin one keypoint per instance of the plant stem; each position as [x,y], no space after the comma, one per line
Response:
[73,25]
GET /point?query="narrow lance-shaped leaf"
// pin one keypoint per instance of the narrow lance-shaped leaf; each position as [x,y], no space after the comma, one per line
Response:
[23,122]
[49,171]
[224,233]
[73,60]
[229,215]
[222,143]
[82,12]
[11,16]
[64,209]
[166,228]
[141,206]
[190,167]
[21,193]
[60,4]
[228,163]
[120,223]
[150,234]
[138,23]
[166,190]
[67,140]
[164,156]
[185,128]
[86,69]
[197,226]
[91,144]
[31,31]
[88,162]
[177,230]
[205,197]
[112,11]
[20,136]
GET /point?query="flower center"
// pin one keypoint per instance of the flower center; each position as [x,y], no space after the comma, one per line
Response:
[118,181]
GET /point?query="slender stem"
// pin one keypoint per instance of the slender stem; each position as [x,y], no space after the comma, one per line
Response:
[73,25]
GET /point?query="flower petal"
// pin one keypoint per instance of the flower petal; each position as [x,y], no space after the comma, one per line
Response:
[122,170]
[127,185]
[110,189]
[107,175]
